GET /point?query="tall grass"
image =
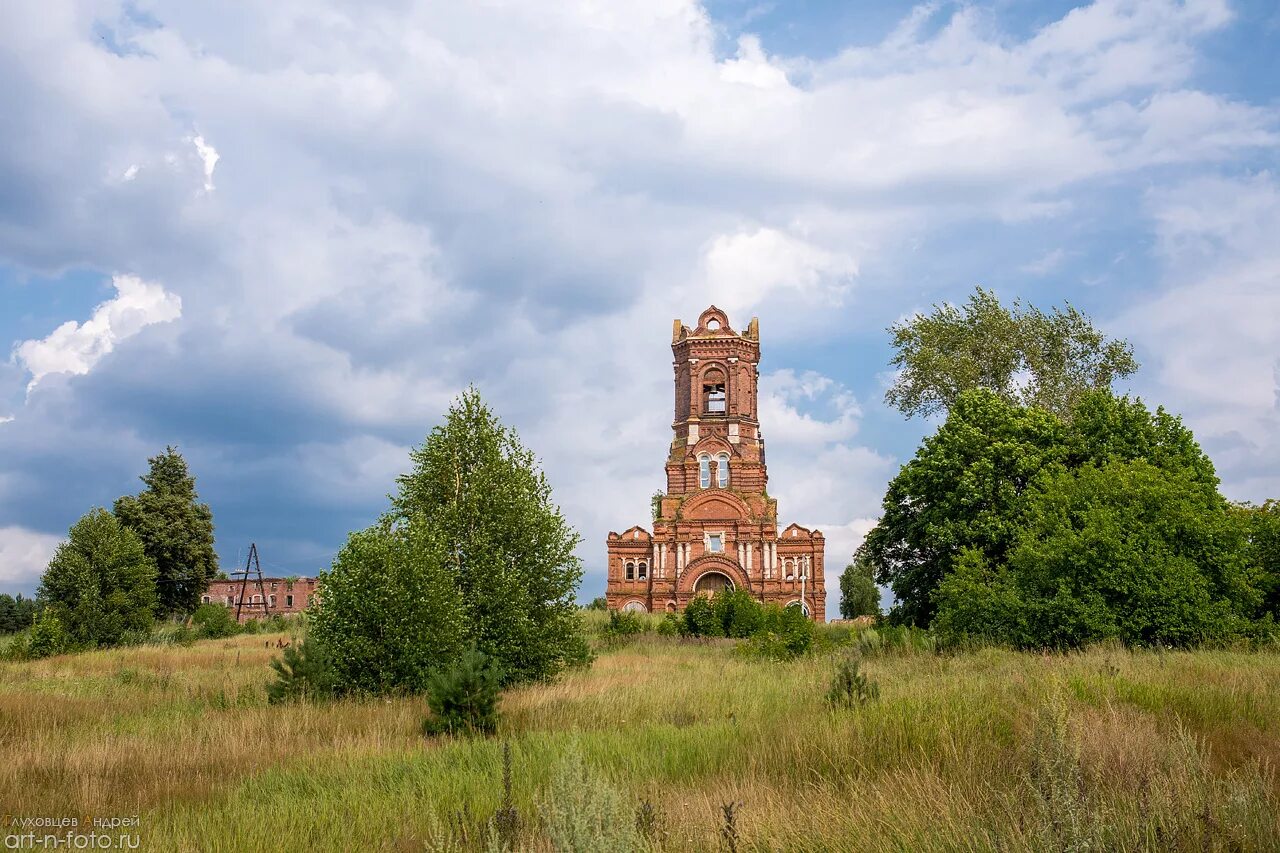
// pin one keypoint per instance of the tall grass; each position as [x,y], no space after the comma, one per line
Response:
[1107,749]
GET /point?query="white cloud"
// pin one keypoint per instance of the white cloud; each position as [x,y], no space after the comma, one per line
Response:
[75,348]
[744,269]
[208,159]
[1211,339]
[426,195]
[1046,263]
[24,555]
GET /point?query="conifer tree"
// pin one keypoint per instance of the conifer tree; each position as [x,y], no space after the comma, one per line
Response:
[176,531]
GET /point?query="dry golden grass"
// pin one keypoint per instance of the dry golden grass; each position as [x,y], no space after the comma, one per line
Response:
[988,750]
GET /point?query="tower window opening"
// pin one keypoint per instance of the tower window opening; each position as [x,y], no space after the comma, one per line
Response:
[722,469]
[713,393]
[704,471]
[642,570]
[714,400]
[631,571]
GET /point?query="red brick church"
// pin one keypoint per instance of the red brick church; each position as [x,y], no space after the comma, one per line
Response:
[716,526]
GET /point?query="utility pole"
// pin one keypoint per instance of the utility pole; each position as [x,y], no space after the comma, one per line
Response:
[252,560]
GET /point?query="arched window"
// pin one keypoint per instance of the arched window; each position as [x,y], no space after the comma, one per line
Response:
[723,466]
[631,571]
[205,599]
[704,471]
[642,570]
[714,401]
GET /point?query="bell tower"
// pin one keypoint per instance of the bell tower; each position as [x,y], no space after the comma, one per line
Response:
[716,404]
[716,526]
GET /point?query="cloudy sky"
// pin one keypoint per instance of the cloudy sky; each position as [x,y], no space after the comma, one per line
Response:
[283,235]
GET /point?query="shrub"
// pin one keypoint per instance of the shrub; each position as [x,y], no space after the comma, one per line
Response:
[738,613]
[700,619]
[463,697]
[47,637]
[785,633]
[214,621]
[305,672]
[850,686]
[584,813]
[624,624]
[598,603]
[670,625]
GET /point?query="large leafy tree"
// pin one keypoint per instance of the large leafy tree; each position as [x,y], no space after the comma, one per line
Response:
[859,595]
[390,613]
[100,582]
[1026,356]
[962,490]
[967,486]
[1120,550]
[474,538]
[176,531]
[1262,526]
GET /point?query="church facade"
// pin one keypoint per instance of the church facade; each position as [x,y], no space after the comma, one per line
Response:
[716,526]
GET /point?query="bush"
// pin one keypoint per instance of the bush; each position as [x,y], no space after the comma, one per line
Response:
[463,697]
[851,687]
[670,625]
[584,813]
[624,624]
[785,633]
[738,613]
[47,637]
[700,619]
[305,672]
[214,621]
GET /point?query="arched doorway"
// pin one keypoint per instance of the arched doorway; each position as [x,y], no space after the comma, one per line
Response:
[711,583]
[635,607]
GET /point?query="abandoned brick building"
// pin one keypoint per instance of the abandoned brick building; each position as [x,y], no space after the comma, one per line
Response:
[716,526]
[281,596]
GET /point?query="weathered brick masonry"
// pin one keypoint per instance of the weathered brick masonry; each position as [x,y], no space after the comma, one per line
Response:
[283,596]
[716,525]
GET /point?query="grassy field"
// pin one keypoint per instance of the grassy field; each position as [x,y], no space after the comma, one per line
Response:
[988,750]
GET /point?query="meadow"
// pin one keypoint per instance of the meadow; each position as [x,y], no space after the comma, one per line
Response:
[1106,749]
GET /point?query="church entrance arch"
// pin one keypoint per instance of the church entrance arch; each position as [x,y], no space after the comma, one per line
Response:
[712,582]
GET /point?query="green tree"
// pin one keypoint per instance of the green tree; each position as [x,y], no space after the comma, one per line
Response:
[8,614]
[472,553]
[1262,526]
[100,583]
[511,552]
[25,611]
[215,621]
[176,531]
[463,697]
[1127,550]
[738,613]
[859,595]
[391,611]
[1022,354]
[963,489]
[303,673]
[966,487]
